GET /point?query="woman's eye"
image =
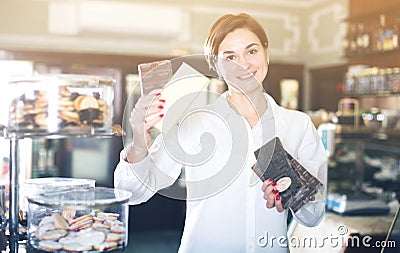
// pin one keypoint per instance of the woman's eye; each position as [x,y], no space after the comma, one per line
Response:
[230,58]
[253,51]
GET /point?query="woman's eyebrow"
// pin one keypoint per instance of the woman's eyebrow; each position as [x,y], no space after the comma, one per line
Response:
[248,46]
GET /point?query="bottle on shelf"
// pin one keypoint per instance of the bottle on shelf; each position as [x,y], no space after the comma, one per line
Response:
[381,34]
[350,41]
[384,36]
[350,83]
[388,36]
[382,81]
[353,40]
[363,39]
[366,38]
[395,34]
[389,80]
[396,80]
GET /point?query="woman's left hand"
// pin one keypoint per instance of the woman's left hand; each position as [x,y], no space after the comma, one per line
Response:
[271,195]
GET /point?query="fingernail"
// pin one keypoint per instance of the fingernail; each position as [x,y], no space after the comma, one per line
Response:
[161,115]
[278,197]
[162,100]
[269,180]
[160,107]
[275,191]
[273,184]
[158,94]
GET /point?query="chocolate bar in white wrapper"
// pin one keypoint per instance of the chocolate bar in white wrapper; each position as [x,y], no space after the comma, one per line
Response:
[273,161]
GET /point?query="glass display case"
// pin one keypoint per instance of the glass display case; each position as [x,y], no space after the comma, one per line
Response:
[61,104]
[364,171]
[53,107]
[79,220]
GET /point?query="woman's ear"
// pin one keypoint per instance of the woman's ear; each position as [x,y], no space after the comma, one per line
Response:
[267,55]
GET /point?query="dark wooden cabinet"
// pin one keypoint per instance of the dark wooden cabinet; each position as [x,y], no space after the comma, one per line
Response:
[327,87]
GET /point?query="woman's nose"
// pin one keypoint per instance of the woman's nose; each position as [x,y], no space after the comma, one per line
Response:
[243,63]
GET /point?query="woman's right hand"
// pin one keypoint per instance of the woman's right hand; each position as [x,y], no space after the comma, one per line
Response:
[147,112]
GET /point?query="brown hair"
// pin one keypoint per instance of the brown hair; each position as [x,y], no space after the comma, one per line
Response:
[227,24]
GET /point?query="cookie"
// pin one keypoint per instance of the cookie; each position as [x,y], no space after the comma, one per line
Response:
[81,225]
[54,235]
[98,219]
[42,229]
[65,102]
[68,215]
[91,238]
[69,116]
[60,222]
[74,247]
[81,218]
[113,237]
[64,92]
[50,245]
[46,219]
[117,229]
[98,225]
[108,216]
[106,246]
[69,240]
[114,222]
[85,102]
[41,119]
[41,102]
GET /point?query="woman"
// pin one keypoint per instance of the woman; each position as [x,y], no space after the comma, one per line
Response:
[228,208]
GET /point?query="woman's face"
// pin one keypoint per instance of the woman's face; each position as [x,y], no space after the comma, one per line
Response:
[242,60]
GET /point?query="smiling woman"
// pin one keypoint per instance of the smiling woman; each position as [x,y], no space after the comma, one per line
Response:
[228,206]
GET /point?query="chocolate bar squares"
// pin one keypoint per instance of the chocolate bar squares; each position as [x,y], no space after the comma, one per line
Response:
[154,75]
[298,184]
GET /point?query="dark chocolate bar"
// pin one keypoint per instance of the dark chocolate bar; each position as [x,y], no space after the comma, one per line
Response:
[154,75]
[273,161]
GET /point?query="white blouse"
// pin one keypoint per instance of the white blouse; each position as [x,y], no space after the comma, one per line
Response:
[225,210]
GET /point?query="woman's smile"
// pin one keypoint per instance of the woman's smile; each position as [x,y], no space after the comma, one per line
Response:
[242,60]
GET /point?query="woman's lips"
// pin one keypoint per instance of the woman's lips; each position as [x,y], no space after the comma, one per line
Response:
[246,76]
